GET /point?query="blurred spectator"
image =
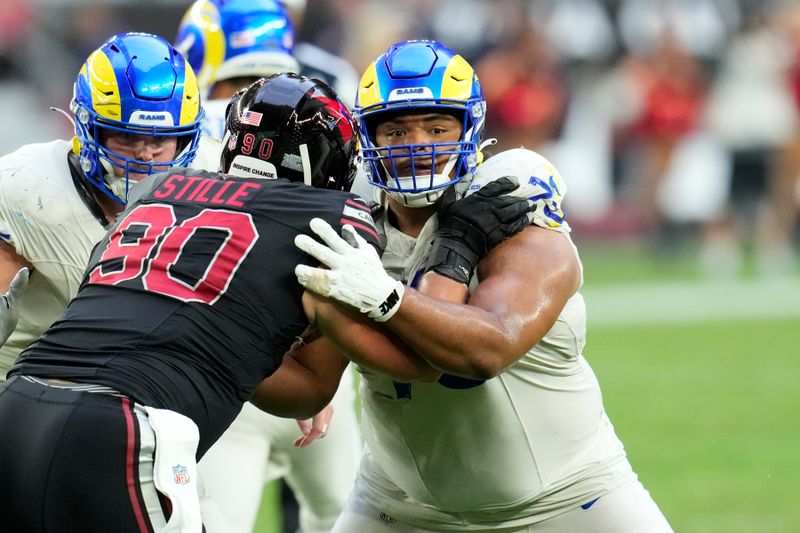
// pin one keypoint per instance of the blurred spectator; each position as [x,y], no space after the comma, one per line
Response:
[19,104]
[671,47]
[524,85]
[700,27]
[15,29]
[667,88]
[583,34]
[325,23]
[752,112]
[786,192]
[581,30]
[472,26]
[395,22]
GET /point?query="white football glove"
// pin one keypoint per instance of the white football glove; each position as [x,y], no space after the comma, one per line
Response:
[10,302]
[356,276]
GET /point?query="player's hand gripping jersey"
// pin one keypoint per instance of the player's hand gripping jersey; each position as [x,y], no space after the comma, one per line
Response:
[539,182]
[195,282]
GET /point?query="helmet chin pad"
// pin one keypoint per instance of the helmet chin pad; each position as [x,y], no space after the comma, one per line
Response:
[420,198]
[118,185]
[417,199]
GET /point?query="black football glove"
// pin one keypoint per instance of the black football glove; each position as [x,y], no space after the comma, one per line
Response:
[470,227]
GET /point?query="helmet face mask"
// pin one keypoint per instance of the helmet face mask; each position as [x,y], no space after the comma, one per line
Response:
[224,39]
[416,77]
[134,84]
[290,126]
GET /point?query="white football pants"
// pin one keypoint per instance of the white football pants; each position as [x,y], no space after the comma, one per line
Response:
[626,509]
[257,448]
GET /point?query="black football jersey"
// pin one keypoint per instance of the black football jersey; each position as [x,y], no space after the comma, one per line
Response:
[191,299]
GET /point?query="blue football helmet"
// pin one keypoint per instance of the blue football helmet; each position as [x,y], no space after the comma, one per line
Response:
[135,83]
[225,39]
[416,76]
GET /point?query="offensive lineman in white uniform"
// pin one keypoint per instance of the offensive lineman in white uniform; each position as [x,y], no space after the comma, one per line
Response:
[137,111]
[231,44]
[513,435]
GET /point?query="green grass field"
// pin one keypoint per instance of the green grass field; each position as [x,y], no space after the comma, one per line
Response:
[700,379]
[709,415]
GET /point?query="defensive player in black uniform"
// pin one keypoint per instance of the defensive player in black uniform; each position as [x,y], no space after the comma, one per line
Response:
[188,303]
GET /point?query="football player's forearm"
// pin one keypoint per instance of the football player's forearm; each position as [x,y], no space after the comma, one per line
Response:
[369,344]
[525,283]
[454,338]
[288,405]
[294,391]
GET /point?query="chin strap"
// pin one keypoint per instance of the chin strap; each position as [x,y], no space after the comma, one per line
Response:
[417,199]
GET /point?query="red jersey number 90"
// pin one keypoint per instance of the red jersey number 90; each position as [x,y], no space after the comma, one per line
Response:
[148,242]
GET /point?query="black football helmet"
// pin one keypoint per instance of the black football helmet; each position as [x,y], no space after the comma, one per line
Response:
[290,126]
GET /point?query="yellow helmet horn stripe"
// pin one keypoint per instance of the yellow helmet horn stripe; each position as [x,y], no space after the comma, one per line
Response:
[103,83]
[457,81]
[190,106]
[368,90]
[206,16]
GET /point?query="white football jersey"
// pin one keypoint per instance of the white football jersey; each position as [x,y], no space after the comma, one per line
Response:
[516,449]
[46,221]
[214,120]
[208,154]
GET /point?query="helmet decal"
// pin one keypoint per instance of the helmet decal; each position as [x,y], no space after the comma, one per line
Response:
[104,91]
[337,115]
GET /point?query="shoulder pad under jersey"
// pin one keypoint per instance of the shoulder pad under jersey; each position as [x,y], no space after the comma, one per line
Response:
[539,182]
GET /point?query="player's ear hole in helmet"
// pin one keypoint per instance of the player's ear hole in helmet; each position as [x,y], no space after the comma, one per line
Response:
[290,126]
[135,85]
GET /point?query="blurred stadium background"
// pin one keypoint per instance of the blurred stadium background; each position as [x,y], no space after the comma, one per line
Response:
[675,124]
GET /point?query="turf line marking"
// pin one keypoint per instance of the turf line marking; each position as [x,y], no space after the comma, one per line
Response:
[686,302]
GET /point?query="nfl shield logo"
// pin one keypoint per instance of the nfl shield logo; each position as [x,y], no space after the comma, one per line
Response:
[180,474]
